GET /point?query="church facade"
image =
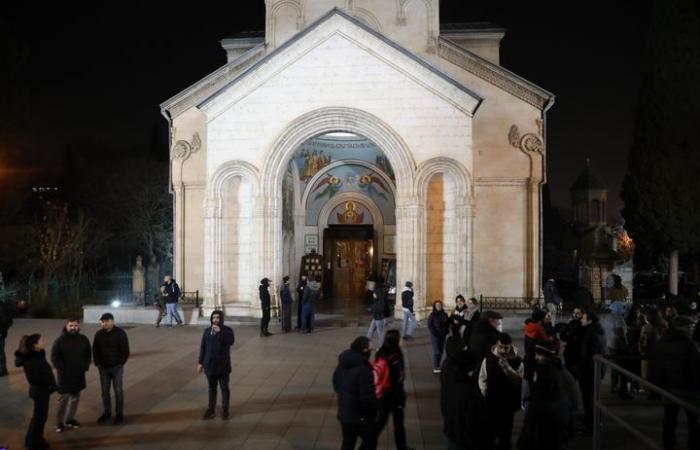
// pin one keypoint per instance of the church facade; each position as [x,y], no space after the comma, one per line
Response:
[356,139]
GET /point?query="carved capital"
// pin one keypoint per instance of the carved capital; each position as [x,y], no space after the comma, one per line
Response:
[528,142]
[183,149]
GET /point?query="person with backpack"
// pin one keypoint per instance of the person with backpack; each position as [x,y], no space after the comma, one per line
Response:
[438,324]
[389,375]
[378,311]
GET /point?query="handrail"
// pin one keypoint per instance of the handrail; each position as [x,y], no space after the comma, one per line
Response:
[598,408]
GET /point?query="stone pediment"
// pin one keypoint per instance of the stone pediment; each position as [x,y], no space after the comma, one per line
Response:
[337,25]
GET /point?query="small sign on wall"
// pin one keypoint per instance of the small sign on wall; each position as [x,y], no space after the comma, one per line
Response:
[390,244]
[310,243]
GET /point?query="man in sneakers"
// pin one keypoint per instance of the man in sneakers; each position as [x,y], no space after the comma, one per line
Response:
[171,294]
[110,350]
[215,362]
[409,320]
[70,356]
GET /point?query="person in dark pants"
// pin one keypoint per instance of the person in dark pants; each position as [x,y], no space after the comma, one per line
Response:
[438,324]
[110,351]
[300,296]
[7,311]
[675,366]
[312,295]
[171,294]
[593,342]
[286,303]
[265,305]
[215,362]
[353,382]
[31,356]
[391,396]
[70,355]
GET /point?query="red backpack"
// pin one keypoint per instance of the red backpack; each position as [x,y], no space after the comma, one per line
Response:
[382,380]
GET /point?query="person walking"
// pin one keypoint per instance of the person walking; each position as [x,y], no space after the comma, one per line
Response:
[286,301]
[215,361]
[675,366]
[500,379]
[353,382]
[7,311]
[377,311]
[32,358]
[593,343]
[159,303]
[300,296]
[265,306]
[438,325]
[389,367]
[110,351]
[171,294]
[312,295]
[409,318]
[485,335]
[70,355]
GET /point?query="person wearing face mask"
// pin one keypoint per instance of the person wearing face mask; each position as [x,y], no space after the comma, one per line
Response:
[485,335]
[215,361]
[500,379]
[70,355]
[353,382]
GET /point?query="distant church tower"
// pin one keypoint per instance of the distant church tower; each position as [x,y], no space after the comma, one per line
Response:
[589,199]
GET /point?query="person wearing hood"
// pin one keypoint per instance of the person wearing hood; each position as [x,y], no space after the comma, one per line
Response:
[409,319]
[303,282]
[286,300]
[312,295]
[110,351]
[215,361]
[171,294]
[618,346]
[548,414]
[438,325]
[377,310]
[265,307]
[32,358]
[70,355]
[675,366]
[353,382]
[485,335]
[593,343]
[500,379]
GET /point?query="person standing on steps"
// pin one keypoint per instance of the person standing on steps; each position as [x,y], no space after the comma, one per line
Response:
[110,351]
[215,362]
[265,306]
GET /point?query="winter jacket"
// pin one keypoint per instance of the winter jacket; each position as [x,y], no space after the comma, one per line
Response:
[407,299]
[286,294]
[300,289]
[458,316]
[572,335]
[675,363]
[500,386]
[377,308]
[7,310]
[110,349]
[483,338]
[395,374]
[353,382]
[215,349]
[264,296]
[172,292]
[438,323]
[71,355]
[593,343]
[312,293]
[535,335]
[38,372]
[545,426]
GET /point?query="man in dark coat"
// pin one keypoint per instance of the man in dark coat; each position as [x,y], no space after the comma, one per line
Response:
[7,310]
[377,322]
[300,296]
[485,335]
[593,343]
[215,362]
[265,306]
[110,351]
[312,295]
[70,355]
[676,368]
[286,304]
[409,320]
[171,294]
[572,334]
[353,382]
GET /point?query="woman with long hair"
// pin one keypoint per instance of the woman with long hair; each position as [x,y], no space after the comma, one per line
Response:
[389,376]
[31,356]
[439,327]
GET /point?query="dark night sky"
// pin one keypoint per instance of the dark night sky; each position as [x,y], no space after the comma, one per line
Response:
[98,73]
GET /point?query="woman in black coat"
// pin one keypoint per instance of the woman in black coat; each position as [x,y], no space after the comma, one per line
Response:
[32,358]
[438,324]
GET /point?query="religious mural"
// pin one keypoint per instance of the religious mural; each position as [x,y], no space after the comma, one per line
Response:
[350,213]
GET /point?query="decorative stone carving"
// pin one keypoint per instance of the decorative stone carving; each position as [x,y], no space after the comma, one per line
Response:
[529,142]
[183,149]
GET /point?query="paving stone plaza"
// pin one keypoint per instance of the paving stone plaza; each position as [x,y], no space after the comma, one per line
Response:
[282,397]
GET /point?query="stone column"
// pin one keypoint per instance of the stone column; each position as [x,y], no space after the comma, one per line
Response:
[212,254]
[409,250]
[462,253]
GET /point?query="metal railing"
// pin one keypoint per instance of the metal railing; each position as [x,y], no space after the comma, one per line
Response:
[600,362]
[190,298]
[509,303]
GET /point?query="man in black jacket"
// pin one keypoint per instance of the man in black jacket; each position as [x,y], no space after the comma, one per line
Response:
[286,301]
[353,382]
[485,335]
[265,306]
[593,342]
[215,362]
[676,368]
[171,294]
[409,320]
[110,351]
[70,355]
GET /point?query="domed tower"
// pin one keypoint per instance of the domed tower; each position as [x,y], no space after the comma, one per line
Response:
[589,199]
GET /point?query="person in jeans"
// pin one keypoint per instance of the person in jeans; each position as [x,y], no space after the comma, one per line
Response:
[409,319]
[31,356]
[438,324]
[70,355]
[110,351]
[171,294]
[215,362]
[377,323]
